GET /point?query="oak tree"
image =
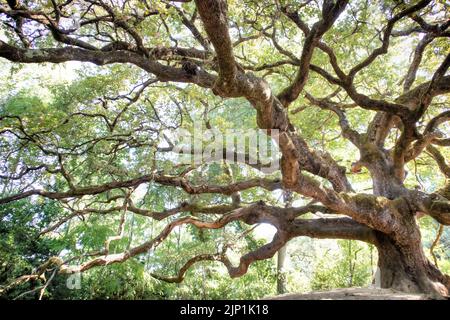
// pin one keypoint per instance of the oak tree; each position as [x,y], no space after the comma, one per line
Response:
[376,69]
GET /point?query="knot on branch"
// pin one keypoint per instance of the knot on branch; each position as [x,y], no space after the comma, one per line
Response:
[225,88]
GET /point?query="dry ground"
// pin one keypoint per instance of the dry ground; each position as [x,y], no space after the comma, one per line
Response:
[351,294]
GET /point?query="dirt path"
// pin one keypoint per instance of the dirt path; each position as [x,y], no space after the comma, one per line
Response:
[351,294]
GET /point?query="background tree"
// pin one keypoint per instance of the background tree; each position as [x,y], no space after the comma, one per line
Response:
[360,125]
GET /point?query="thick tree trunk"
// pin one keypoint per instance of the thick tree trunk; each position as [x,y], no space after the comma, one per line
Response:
[401,260]
[407,269]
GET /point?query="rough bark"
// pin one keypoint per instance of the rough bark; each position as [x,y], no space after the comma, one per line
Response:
[406,268]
